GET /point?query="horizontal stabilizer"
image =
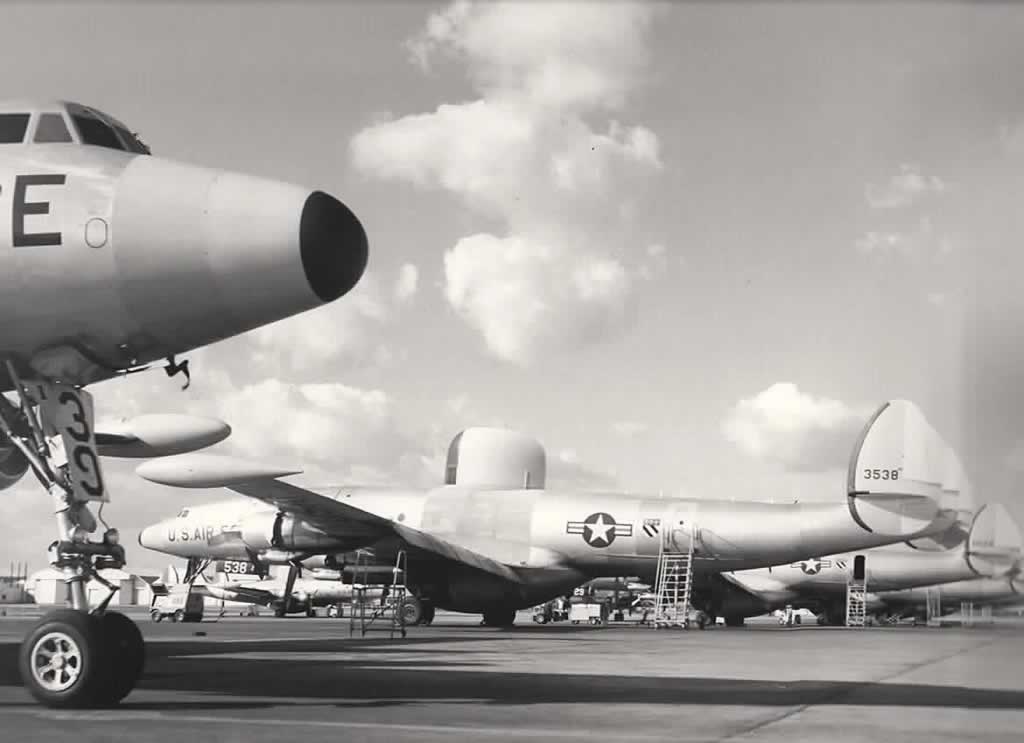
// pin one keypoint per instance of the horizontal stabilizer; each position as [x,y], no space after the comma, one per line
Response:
[159,435]
[903,477]
[208,471]
[994,544]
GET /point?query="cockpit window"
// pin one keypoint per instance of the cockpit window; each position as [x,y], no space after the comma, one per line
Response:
[13,128]
[95,132]
[183,514]
[51,128]
[133,143]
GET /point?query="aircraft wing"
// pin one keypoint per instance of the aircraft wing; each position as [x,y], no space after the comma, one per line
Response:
[335,517]
[320,511]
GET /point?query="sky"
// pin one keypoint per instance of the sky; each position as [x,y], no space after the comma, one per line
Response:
[690,248]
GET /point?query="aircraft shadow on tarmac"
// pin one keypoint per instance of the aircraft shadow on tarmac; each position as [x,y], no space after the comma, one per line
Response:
[375,678]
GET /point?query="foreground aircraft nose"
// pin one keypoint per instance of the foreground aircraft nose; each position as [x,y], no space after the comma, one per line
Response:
[333,246]
[202,255]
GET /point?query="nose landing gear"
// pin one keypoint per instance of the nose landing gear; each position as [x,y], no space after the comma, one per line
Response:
[72,657]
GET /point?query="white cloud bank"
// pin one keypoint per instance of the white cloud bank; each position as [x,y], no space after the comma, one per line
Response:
[804,433]
[526,153]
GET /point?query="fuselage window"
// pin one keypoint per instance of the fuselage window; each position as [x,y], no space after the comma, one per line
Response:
[183,514]
[51,128]
[13,128]
[95,132]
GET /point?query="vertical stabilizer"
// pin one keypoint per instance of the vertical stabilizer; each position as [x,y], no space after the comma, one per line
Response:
[901,477]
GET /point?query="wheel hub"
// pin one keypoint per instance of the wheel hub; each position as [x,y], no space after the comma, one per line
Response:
[56,661]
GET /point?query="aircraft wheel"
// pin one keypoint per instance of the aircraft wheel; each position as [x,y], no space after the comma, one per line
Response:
[178,616]
[734,621]
[61,659]
[499,618]
[412,611]
[126,651]
[156,616]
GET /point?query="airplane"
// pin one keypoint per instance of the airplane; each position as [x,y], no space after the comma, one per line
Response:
[321,589]
[493,540]
[1002,591]
[112,259]
[992,548]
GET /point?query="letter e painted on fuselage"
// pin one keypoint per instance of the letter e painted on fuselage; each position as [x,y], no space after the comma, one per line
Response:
[23,208]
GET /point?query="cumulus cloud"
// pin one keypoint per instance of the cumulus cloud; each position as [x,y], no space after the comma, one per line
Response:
[906,188]
[332,430]
[799,431]
[527,153]
[565,55]
[407,283]
[346,330]
[527,298]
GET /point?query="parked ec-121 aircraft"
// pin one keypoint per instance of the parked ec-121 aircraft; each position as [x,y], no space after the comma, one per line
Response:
[991,549]
[492,540]
[111,259]
[1007,591]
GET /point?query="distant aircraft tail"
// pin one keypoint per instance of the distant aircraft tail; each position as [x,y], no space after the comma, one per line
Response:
[994,546]
[903,478]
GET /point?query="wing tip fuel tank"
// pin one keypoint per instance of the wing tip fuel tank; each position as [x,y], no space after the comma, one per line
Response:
[160,435]
[208,471]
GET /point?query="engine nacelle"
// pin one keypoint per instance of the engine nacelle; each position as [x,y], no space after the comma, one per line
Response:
[13,464]
[495,459]
[280,531]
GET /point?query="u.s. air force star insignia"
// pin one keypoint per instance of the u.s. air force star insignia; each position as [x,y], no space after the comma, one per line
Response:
[599,529]
[812,566]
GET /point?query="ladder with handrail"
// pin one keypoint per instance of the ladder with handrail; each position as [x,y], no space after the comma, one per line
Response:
[672,582]
[365,612]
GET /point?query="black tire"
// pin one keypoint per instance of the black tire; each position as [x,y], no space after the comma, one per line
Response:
[126,654]
[412,611]
[734,621]
[179,616]
[279,611]
[156,616]
[500,618]
[76,639]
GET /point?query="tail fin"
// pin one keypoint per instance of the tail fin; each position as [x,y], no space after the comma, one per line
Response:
[958,508]
[903,477]
[994,545]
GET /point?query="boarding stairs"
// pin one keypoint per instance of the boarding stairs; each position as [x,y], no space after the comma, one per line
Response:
[856,602]
[673,582]
[367,610]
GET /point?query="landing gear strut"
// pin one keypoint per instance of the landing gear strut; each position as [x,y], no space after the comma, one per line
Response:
[72,657]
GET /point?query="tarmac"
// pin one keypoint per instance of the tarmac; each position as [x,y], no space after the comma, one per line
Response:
[266,679]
